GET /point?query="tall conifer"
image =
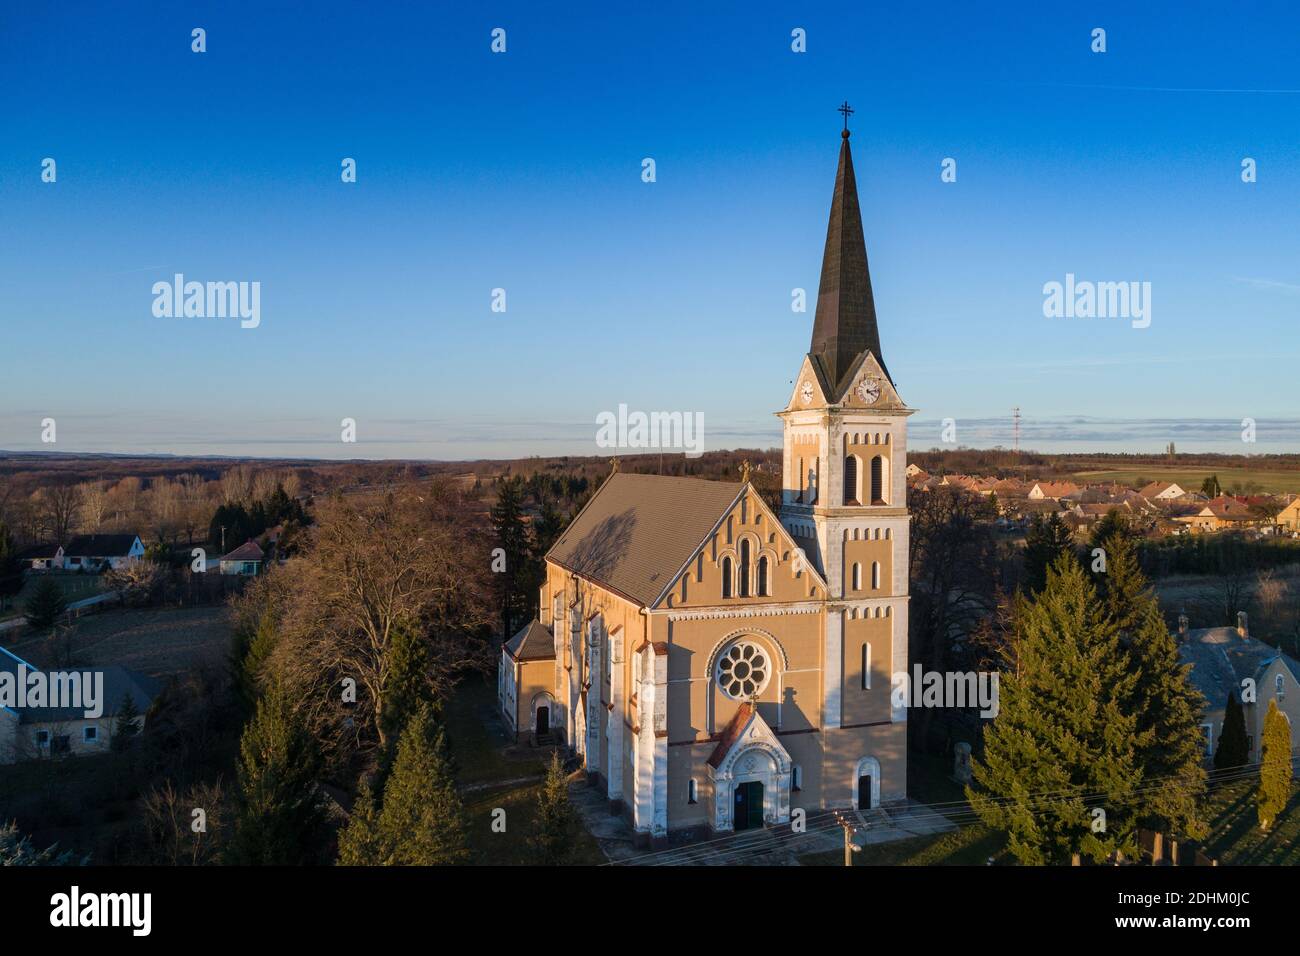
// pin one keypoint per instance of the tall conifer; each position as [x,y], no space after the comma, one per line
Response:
[1063,743]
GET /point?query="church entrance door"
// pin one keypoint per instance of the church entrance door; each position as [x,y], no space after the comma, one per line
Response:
[543,720]
[749,805]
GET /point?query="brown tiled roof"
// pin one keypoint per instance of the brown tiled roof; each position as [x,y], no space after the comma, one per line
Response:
[640,530]
[533,643]
[1230,508]
[248,551]
[845,322]
[729,734]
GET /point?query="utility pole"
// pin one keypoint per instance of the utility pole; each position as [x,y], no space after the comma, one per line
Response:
[849,847]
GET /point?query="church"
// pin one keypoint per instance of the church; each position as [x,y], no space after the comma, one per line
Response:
[716,665]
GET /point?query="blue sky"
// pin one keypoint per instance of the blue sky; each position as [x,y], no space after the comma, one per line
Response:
[522,171]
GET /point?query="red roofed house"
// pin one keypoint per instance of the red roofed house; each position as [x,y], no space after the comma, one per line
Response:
[245,560]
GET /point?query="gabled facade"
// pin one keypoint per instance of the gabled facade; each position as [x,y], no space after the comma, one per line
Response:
[717,664]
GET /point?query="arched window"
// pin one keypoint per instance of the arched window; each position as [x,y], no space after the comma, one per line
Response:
[857,576]
[1279,686]
[800,480]
[692,791]
[726,577]
[762,576]
[875,575]
[877,481]
[866,667]
[850,479]
[744,568]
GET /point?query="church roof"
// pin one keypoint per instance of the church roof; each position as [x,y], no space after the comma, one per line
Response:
[533,643]
[845,323]
[638,531]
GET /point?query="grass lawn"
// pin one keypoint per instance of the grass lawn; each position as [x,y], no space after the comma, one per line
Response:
[74,587]
[499,774]
[1235,837]
[1189,479]
[968,846]
[157,641]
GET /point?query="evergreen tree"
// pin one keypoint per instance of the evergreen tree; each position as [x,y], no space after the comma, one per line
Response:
[11,578]
[1062,743]
[1234,749]
[45,605]
[359,841]
[252,652]
[1275,766]
[237,524]
[1047,539]
[16,850]
[1125,591]
[557,822]
[280,820]
[422,821]
[1211,488]
[125,725]
[1112,523]
[1170,745]
[406,690]
[512,539]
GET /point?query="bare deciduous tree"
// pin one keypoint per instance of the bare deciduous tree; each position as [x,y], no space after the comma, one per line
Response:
[367,568]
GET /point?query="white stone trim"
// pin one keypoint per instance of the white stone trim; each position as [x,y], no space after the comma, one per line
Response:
[748,610]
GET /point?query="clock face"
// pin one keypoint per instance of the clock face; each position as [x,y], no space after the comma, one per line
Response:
[806,393]
[869,390]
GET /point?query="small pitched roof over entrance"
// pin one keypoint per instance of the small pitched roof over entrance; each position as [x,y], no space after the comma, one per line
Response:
[744,729]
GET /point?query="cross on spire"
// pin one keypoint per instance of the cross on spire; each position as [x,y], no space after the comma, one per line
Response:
[847,111]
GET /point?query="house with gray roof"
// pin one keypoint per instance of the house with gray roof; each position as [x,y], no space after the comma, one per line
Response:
[31,732]
[1227,660]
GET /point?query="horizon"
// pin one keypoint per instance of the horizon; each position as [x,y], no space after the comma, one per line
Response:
[376,295]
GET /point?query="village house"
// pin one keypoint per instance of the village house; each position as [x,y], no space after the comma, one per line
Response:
[1218,514]
[1288,518]
[41,557]
[246,560]
[713,663]
[101,552]
[1162,491]
[1227,660]
[36,732]
[1052,490]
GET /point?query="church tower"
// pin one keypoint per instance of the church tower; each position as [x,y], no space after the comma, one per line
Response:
[845,461]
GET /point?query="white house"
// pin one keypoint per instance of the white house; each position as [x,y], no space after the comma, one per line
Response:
[30,733]
[1162,491]
[101,552]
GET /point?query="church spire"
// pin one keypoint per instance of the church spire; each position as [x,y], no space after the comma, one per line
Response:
[845,323]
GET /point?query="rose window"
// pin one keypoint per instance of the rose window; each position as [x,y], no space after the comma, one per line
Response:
[743,671]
